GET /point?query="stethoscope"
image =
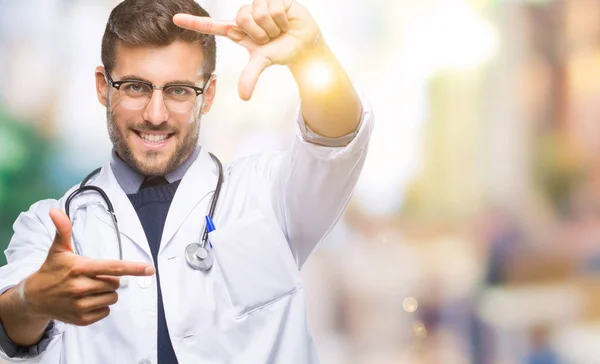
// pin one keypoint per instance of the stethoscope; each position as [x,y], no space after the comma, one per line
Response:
[197,255]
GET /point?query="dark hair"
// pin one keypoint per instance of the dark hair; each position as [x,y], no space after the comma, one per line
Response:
[150,22]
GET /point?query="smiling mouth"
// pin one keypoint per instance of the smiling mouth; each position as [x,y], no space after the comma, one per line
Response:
[153,138]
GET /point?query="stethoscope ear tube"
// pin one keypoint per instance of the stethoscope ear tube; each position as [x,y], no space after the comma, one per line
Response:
[83,187]
[79,190]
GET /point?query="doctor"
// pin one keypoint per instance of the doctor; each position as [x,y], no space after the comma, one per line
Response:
[84,287]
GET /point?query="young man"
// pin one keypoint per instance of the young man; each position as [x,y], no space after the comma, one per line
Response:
[84,285]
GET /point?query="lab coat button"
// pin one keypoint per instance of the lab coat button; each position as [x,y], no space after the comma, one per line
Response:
[144,282]
[144,361]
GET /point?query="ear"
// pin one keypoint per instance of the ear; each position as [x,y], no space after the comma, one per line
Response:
[101,86]
[209,93]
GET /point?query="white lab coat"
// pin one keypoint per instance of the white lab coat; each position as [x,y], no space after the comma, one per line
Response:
[250,307]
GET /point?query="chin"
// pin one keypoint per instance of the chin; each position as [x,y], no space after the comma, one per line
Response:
[152,166]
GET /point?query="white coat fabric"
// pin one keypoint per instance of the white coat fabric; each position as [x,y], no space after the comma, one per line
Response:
[250,307]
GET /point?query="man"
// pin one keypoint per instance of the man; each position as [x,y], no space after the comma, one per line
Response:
[153,305]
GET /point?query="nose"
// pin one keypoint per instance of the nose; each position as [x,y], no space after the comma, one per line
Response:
[156,111]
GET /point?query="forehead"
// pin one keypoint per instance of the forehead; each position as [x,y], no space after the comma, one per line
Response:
[177,61]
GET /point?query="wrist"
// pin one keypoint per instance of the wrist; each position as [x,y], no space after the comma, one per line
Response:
[316,51]
[21,326]
[26,299]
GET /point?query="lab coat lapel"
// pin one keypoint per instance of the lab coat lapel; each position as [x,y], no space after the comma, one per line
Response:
[198,183]
[129,223]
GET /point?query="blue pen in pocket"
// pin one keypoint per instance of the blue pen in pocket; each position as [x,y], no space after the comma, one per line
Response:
[210,227]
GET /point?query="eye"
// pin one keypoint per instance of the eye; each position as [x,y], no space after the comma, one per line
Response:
[179,91]
[135,87]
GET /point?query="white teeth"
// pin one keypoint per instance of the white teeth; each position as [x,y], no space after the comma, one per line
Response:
[154,138]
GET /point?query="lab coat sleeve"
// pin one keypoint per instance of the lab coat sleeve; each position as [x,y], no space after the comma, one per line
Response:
[28,248]
[14,351]
[314,182]
[310,136]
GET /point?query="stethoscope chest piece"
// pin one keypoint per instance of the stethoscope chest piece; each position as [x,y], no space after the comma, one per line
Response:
[198,257]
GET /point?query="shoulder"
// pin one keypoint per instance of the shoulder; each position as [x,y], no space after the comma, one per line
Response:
[40,210]
[261,165]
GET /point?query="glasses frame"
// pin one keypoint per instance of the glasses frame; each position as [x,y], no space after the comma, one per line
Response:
[117,85]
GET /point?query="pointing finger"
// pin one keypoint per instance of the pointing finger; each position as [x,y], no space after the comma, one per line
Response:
[203,24]
[96,267]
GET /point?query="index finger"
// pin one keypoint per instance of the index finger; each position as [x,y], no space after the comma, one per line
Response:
[97,267]
[203,24]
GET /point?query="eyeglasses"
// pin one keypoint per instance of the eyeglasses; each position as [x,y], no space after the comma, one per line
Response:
[136,94]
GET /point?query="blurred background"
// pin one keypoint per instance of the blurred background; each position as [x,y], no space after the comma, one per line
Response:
[474,232]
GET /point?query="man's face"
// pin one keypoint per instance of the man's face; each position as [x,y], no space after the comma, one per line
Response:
[154,139]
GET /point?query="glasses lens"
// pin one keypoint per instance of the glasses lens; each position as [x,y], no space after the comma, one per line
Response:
[134,95]
[179,98]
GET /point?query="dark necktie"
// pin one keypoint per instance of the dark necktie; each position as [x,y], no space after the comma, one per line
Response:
[154,181]
[152,205]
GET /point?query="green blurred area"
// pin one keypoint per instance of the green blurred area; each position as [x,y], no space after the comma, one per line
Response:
[25,160]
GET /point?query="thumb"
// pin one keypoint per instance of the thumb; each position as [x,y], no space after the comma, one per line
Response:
[62,240]
[250,75]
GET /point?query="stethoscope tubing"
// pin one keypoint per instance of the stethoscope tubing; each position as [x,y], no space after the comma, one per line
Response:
[83,187]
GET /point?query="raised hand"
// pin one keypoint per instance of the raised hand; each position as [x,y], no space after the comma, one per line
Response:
[273,32]
[75,289]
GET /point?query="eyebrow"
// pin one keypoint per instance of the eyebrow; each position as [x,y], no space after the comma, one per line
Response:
[172,82]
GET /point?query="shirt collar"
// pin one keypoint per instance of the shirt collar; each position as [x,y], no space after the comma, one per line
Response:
[130,180]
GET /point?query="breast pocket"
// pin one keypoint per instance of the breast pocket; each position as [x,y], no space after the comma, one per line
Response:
[255,262]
